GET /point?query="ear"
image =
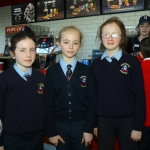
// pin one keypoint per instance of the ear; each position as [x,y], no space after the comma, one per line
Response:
[12,54]
[140,54]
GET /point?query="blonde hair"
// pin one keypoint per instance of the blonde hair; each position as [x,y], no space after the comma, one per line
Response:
[69,28]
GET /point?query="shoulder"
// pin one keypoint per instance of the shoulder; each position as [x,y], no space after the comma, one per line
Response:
[133,61]
[6,72]
[96,61]
[53,71]
[130,57]
[38,73]
[6,77]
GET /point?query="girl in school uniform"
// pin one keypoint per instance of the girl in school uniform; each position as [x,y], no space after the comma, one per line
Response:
[21,98]
[120,90]
[70,96]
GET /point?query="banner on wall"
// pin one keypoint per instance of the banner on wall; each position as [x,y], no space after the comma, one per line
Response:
[14,29]
[49,10]
[116,6]
[80,8]
[23,13]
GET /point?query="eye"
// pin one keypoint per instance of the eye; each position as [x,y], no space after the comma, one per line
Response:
[76,43]
[105,35]
[22,50]
[32,50]
[115,35]
[65,42]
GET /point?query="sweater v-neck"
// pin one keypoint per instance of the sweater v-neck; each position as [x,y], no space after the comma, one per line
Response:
[20,78]
[64,77]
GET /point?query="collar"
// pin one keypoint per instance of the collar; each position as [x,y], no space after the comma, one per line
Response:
[117,55]
[20,72]
[63,64]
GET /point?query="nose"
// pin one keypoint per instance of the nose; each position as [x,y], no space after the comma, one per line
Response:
[71,45]
[28,54]
[110,37]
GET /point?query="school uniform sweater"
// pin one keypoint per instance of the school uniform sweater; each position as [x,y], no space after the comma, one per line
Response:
[72,100]
[21,104]
[145,63]
[120,89]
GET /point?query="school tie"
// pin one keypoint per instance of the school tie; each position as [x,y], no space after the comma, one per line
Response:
[113,59]
[27,76]
[69,72]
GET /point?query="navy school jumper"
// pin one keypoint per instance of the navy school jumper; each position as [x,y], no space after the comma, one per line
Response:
[73,100]
[21,104]
[120,89]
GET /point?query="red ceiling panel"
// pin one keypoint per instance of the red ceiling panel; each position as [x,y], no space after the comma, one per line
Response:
[13,2]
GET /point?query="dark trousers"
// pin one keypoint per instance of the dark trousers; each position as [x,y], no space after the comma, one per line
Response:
[72,133]
[109,127]
[144,144]
[12,142]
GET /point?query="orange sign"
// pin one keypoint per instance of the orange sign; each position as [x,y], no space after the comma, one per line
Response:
[14,29]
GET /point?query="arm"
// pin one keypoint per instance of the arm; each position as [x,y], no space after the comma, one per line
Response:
[48,98]
[139,110]
[2,105]
[91,96]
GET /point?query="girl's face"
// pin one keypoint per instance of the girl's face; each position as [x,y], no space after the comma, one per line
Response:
[111,37]
[24,54]
[144,29]
[69,44]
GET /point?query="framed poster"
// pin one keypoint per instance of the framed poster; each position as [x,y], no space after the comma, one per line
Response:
[116,6]
[79,8]
[147,4]
[49,10]
[23,13]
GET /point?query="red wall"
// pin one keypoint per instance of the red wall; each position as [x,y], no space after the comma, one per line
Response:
[13,2]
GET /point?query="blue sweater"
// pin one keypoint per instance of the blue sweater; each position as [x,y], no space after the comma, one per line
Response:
[120,89]
[21,104]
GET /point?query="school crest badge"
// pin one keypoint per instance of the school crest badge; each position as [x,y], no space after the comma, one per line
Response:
[83,81]
[40,88]
[124,68]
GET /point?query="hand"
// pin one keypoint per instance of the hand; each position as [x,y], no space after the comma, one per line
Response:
[95,132]
[87,138]
[55,139]
[136,135]
[1,147]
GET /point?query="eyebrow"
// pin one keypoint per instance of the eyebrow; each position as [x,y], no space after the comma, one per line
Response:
[69,40]
[26,48]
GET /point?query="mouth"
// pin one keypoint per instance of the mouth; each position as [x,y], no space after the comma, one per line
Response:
[27,60]
[70,52]
[110,43]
